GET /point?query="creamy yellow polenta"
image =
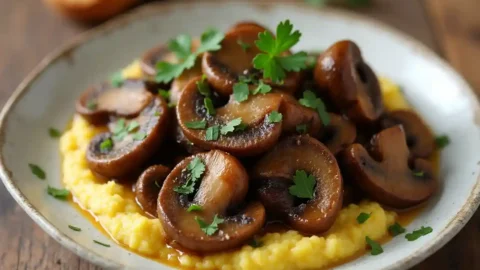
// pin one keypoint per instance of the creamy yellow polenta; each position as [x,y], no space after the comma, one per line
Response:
[121,217]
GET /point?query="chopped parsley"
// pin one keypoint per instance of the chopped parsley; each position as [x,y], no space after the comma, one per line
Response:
[255,243]
[132,126]
[418,233]
[91,105]
[240,91]
[363,217]
[194,207]
[106,145]
[182,47]
[396,229]
[157,184]
[139,136]
[418,173]
[302,128]
[274,117]
[375,248]
[196,124]
[77,229]
[54,133]
[37,171]
[164,93]
[271,60]
[212,228]
[232,126]
[304,185]
[262,88]
[202,86]
[245,46]
[212,133]
[207,102]
[121,130]
[442,141]
[195,170]
[101,244]
[310,100]
[117,79]
[61,194]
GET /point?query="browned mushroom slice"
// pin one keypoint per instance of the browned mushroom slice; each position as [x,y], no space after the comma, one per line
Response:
[225,66]
[420,139]
[183,141]
[100,101]
[339,134]
[179,83]
[351,83]
[246,24]
[148,187]
[295,115]
[223,174]
[385,174]
[115,155]
[257,135]
[276,170]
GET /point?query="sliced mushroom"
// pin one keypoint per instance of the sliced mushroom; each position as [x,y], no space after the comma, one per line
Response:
[148,187]
[225,66]
[350,82]
[420,139]
[179,83]
[258,136]
[385,175]
[183,141]
[295,114]
[246,24]
[275,173]
[223,187]
[127,154]
[339,134]
[100,101]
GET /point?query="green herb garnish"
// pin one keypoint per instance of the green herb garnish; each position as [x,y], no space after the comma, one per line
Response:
[196,124]
[91,105]
[54,133]
[375,247]
[202,86]
[262,88]
[442,141]
[271,60]
[100,243]
[304,185]
[139,136]
[164,93]
[310,100]
[194,207]
[212,228]
[212,133]
[418,173]
[195,169]
[182,47]
[255,243]
[302,128]
[77,229]
[132,126]
[207,102]
[418,233]
[363,217]
[245,46]
[37,171]
[274,117]
[61,194]
[240,91]
[396,229]
[234,125]
[106,145]
[117,79]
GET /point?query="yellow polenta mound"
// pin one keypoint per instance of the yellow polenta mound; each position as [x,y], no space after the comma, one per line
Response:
[122,218]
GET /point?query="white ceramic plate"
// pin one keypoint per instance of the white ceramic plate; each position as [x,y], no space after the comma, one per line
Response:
[46,98]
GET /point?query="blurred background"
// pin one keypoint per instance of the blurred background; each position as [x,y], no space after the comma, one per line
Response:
[30,29]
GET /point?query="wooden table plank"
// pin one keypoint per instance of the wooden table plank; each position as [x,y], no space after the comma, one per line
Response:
[28,31]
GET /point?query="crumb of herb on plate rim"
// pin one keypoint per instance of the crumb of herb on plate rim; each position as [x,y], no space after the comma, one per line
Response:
[54,133]
[375,248]
[37,171]
[101,244]
[73,228]
[61,194]
[396,229]
[418,233]
[442,141]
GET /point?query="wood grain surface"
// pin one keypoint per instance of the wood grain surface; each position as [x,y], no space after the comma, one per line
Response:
[28,31]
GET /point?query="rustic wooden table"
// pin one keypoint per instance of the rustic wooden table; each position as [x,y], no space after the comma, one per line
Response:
[28,31]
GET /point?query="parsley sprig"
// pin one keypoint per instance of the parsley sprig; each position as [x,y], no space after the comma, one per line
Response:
[195,170]
[418,233]
[212,228]
[304,185]
[181,46]
[310,100]
[272,60]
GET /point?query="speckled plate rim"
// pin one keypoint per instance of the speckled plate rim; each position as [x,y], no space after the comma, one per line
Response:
[447,233]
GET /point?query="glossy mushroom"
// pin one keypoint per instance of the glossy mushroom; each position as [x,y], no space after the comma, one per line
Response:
[179,83]
[129,153]
[350,82]
[184,142]
[148,187]
[384,173]
[295,114]
[338,134]
[275,171]
[100,101]
[258,136]
[225,66]
[246,24]
[221,192]
[420,139]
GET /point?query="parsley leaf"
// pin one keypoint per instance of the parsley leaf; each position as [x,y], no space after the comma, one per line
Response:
[168,71]
[195,169]
[234,125]
[262,88]
[77,229]
[302,128]
[37,171]
[310,100]
[106,145]
[194,207]
[61,194]
[271,60]
[181,46]
[196,124]
[132,126]
[240,91]
[164,93]
[375,247]
[363,217]
[54,133]
[212,228]
[202,86]
[442,141]
[210,41]
[245,46]
[117,79]
[212,133]
[418,233]
[255,243]
[274,117]
[207,102]
[304,185]
[91,105]
[396,229]
[100,243]
[139,136]
[418,173]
